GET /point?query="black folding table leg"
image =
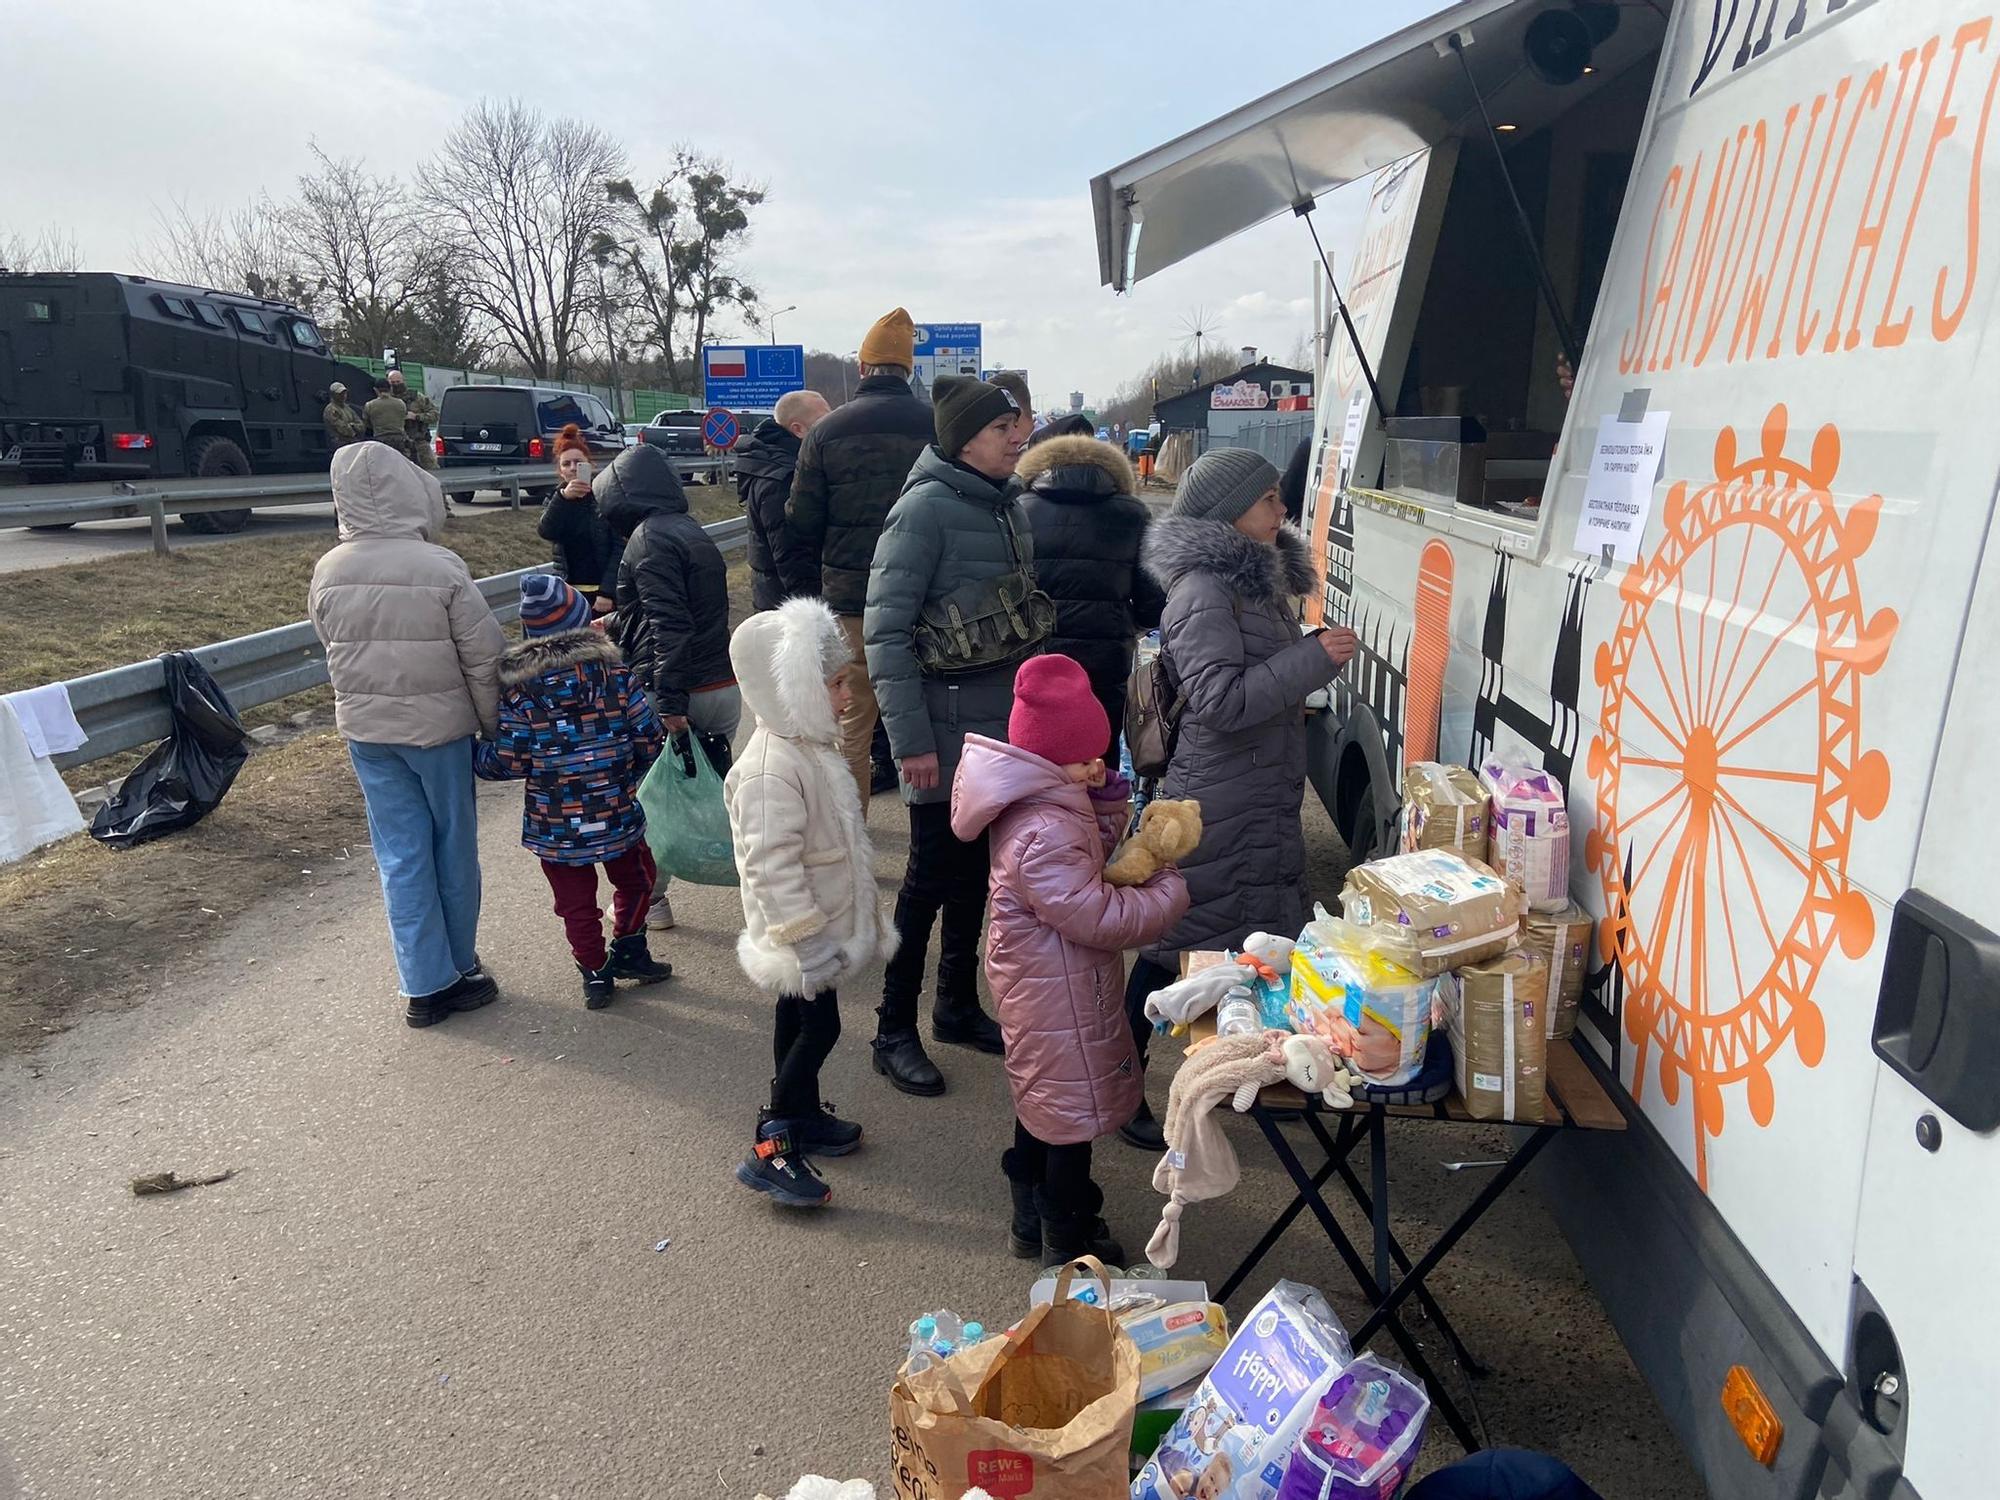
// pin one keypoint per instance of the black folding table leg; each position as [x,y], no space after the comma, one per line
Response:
[1412,1351]
[1362,1201]
[1414,1278]
[1378,1171]
[1335,1157]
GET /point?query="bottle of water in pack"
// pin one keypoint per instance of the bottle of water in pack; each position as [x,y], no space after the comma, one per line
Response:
[933,1338]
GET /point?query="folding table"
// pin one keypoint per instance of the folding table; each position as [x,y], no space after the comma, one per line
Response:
[1576,1101]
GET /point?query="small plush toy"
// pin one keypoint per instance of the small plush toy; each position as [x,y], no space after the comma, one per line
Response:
[1313,1067]
[1167,834]
[1265,957]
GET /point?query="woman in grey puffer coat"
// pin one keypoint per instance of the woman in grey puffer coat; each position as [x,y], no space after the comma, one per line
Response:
[1233,571]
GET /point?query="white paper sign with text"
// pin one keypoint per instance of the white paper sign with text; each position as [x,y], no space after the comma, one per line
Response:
[1618,494]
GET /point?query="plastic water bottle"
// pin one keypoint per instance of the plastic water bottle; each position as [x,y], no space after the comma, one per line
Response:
[974,1332]
[1238,1014]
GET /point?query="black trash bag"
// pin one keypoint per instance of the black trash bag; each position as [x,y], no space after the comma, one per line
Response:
[185,776]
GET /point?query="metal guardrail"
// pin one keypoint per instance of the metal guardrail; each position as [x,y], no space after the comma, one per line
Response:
[156,502]
[126,707]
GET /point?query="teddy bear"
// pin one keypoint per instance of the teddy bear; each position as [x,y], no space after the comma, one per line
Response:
[1167,833]
[1265,956]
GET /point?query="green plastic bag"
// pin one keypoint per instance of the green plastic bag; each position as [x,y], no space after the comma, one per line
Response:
[687,821]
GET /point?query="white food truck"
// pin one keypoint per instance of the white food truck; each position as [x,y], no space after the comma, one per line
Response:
[1737,591]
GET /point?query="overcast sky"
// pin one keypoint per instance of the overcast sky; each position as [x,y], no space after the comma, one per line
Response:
[938,156]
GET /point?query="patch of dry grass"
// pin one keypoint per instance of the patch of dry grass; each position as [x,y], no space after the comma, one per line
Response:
[84,617]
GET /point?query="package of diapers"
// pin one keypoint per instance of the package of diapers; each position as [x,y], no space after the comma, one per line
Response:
[1562,940]
[1372,1010]
[1235,1438]
[1444,807]
[1433,910]
[1363,1437]
[1530,831]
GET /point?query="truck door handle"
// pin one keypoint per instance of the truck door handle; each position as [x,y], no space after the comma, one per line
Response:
[1937,1018]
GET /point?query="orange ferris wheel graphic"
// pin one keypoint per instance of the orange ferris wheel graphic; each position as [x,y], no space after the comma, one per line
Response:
[1730,773]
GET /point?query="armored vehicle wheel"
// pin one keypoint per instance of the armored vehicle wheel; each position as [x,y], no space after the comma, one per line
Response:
[213,458]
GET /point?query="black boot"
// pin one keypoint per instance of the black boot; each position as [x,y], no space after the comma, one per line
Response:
[598,989]
[1024,1236]
[1144,1130]
[467,992]
[1067,1234]
[962,1023]
[824,1133]
[899,1057]
[631,959]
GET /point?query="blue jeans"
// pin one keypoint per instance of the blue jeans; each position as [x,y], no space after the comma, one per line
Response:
[425,827]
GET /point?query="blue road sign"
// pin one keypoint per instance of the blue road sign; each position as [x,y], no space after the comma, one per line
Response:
[751,375]
[718,428]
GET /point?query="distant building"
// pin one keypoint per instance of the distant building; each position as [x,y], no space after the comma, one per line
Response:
[1217,412]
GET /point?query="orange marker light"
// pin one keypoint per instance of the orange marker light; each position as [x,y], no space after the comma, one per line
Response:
[1750,1413]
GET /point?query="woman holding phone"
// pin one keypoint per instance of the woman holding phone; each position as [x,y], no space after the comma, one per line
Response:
[585,552]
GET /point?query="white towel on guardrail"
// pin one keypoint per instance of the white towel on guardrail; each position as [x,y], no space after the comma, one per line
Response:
[47,719]
[35,807]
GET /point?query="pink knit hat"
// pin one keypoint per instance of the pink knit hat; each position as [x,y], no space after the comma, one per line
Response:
[1056,716]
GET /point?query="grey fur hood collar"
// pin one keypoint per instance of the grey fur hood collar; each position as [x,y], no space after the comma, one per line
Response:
[1176,546]
[526,660]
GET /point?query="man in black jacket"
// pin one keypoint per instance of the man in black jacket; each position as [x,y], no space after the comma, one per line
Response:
[673,610]
[764,469]
[851,468]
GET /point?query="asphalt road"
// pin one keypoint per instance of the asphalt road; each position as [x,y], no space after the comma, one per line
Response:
[436,1273]
[90,540]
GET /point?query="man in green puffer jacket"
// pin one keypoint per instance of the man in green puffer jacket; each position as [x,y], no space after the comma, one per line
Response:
[956,547]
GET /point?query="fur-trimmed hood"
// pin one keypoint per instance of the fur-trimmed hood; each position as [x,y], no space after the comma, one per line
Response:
[1076,468]
[783,658]
[526,660]
[1178,545]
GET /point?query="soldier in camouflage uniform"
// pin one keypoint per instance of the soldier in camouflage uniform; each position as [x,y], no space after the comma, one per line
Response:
[388,419]
[423,415]
[343,423]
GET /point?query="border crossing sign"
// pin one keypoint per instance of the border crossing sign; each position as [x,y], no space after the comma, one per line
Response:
[718,428]
[944,349]
[751,376]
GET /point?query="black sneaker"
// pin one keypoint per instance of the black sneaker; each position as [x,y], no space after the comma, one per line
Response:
[774,1167]
[598,989]
[632,959]
[824,1133]
[467,992]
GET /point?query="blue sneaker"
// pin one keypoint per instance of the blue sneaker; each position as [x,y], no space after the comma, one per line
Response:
[774,1166]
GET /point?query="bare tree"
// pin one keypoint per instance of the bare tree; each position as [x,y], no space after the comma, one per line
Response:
[520,201]
[354,236]
[244,250]
[675,254]
[50,249]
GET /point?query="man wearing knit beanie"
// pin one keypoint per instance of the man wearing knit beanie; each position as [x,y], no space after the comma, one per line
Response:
[851,467]
[550,606]
[956,546]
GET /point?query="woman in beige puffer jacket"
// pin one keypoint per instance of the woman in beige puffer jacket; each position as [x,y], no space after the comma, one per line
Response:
[414,653]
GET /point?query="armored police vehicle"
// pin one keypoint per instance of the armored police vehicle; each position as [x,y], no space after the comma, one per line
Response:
[106,376]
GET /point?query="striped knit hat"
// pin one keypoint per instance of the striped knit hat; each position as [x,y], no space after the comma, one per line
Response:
[549,605]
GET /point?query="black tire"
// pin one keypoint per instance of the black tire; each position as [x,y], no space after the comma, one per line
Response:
[216,458]
[54,526]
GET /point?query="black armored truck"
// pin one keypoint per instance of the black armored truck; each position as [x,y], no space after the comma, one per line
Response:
[113,377]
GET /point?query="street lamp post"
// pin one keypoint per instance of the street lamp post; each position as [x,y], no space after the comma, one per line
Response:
[771,320]
[850,354]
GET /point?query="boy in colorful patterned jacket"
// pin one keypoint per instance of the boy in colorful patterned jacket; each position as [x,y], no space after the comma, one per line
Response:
[575,727]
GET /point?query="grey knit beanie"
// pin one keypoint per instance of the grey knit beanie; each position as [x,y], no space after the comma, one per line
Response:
[1224,483]
[961,406]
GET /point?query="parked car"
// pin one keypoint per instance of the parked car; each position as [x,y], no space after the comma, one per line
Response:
[495,426]
[678,435]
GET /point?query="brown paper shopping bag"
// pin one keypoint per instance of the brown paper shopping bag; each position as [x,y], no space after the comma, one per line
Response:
[1042,1414]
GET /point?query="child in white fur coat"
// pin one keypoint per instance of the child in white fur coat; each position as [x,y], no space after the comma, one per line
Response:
[810,909]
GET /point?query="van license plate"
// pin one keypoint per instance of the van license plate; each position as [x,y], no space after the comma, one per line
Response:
[483,447]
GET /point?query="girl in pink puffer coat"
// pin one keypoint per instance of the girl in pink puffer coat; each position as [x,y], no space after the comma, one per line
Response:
[1056,937]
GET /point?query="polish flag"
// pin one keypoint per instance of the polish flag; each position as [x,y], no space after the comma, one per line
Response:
[726,364]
